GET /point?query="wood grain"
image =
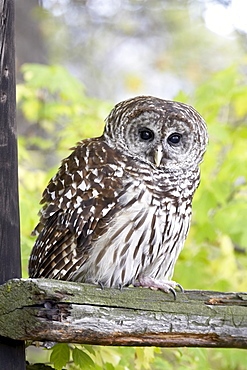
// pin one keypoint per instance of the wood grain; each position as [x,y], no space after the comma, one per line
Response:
[52,310]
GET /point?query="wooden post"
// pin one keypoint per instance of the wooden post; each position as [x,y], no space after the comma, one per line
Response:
[12,352]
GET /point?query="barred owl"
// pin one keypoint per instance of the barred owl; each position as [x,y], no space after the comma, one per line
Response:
[118,210]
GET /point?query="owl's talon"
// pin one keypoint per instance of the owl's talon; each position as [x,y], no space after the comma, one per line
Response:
[180,287]
[101,285]
[166,286]
[173,291]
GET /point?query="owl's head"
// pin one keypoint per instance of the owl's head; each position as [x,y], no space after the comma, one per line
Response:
[167,135]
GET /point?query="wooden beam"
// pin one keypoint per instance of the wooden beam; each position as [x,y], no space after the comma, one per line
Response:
[12,352]
[53,310]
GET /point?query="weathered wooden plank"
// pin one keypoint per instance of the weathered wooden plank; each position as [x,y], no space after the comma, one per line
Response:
[53,310]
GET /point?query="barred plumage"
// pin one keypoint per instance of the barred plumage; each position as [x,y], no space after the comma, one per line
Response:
[118,210]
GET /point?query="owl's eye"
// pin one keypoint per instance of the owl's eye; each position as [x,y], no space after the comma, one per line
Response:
[174,139]
[146,134]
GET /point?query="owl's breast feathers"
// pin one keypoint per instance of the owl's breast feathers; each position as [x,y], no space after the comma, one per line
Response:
[96,188]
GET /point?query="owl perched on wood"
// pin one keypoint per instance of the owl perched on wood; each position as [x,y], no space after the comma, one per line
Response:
[118,210]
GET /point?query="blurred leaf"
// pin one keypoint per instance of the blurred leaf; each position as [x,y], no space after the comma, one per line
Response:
[144,357]
[60,355]
[81,359]
[89,348]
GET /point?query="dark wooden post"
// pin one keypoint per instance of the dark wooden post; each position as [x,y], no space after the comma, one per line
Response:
[12,352]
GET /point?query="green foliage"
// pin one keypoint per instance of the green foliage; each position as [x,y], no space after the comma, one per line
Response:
[59,114]
[55,105]
[220,204]
[82,359]
[60,355]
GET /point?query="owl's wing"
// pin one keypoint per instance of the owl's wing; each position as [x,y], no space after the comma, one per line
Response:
[80,198]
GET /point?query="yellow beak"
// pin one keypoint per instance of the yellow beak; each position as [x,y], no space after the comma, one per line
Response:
[158,155]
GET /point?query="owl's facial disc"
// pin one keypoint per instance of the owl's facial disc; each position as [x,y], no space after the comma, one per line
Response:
[142,135]
[179,143]
[156,140]
[162,139]
[173,140]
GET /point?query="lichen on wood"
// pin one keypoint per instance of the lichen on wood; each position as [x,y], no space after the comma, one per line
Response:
[53,310]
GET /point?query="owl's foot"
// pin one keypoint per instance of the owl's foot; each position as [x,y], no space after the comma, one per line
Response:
[165,285]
